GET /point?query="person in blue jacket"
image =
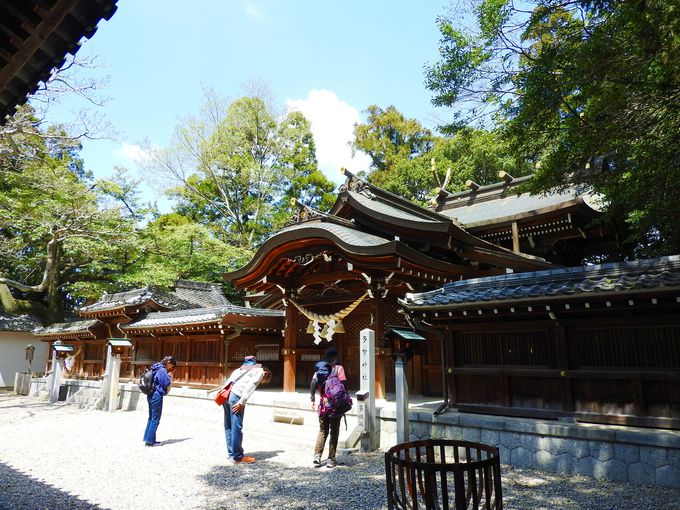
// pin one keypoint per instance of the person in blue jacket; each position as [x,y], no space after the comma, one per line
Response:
[162,381]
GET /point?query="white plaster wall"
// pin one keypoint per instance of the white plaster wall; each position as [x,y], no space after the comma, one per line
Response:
[13,355]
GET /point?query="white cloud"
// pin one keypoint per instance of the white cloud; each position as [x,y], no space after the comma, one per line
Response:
[332,124]
[132,153]
[253,11]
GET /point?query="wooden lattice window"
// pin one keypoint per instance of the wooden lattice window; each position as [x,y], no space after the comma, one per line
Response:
[206,350]
[176,348]
[625,347]
[507,348]
[144,351]
[94,352]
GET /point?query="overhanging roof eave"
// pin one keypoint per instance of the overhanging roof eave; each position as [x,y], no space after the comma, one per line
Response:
[543,299]
[564,207]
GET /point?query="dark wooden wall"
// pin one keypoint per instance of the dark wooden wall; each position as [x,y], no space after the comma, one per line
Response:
[621,370]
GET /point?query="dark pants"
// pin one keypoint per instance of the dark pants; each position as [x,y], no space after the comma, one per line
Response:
[326,423]
[155,401]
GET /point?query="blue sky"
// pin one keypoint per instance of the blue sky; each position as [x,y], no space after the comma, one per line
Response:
[331,60]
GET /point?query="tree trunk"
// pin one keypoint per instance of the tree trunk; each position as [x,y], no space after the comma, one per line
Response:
[55,300]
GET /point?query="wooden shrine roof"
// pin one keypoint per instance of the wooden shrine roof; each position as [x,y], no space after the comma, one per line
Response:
[500,203]
[35,36]
[226,316]
[144,298]
[199,294]
[72,329]
[184,295]
[369,229]
[17,322]
[621,281]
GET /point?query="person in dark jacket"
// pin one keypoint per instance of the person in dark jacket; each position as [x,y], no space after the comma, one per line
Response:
[161,378]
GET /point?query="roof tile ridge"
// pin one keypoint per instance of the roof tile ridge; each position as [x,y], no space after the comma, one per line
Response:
[356,184]
[591,273]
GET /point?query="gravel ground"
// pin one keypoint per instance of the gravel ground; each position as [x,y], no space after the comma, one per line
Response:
[60,457]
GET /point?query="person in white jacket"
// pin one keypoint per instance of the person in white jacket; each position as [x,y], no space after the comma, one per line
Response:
[245,380]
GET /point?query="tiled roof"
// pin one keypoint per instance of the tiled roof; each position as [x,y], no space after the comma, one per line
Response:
[470,212]
[575,281]
[186,294]
[380,207]
[348,235]
[63,328]
[36,36]
[129,298]
[198,316]
[205,295]
[17,322]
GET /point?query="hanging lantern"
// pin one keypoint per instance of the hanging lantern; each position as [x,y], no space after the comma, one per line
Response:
[339,327]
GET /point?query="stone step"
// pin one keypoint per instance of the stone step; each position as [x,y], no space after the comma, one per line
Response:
[87,398]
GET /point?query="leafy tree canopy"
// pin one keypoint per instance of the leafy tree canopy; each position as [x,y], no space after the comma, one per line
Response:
[55,231]
[388,137]
[173,247]
[589,91]
[237,165]
[403,153]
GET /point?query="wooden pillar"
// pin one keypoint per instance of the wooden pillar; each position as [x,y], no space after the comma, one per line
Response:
[289,345]
[515,237]
[562,355]
[379,327]
[449,354]
[417,374]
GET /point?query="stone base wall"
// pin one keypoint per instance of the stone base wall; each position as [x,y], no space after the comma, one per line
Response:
[643,456]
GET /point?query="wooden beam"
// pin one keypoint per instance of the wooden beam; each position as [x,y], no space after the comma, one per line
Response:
[34,41]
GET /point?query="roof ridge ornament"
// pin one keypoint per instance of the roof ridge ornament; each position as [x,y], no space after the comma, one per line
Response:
[356,184]
[440,192]
[307,213]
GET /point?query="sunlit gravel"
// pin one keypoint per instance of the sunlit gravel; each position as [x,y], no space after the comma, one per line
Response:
[61,457]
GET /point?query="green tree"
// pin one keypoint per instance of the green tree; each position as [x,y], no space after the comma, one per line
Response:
[173,247]
[52,224]
[237,164]
[388,137]
[477,155]
[402,152]
[587,90]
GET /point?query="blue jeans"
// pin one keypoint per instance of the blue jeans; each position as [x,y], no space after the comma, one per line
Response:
[155,401]
[233,428]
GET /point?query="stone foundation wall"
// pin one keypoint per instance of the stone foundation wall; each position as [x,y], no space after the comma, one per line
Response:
[643,456]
